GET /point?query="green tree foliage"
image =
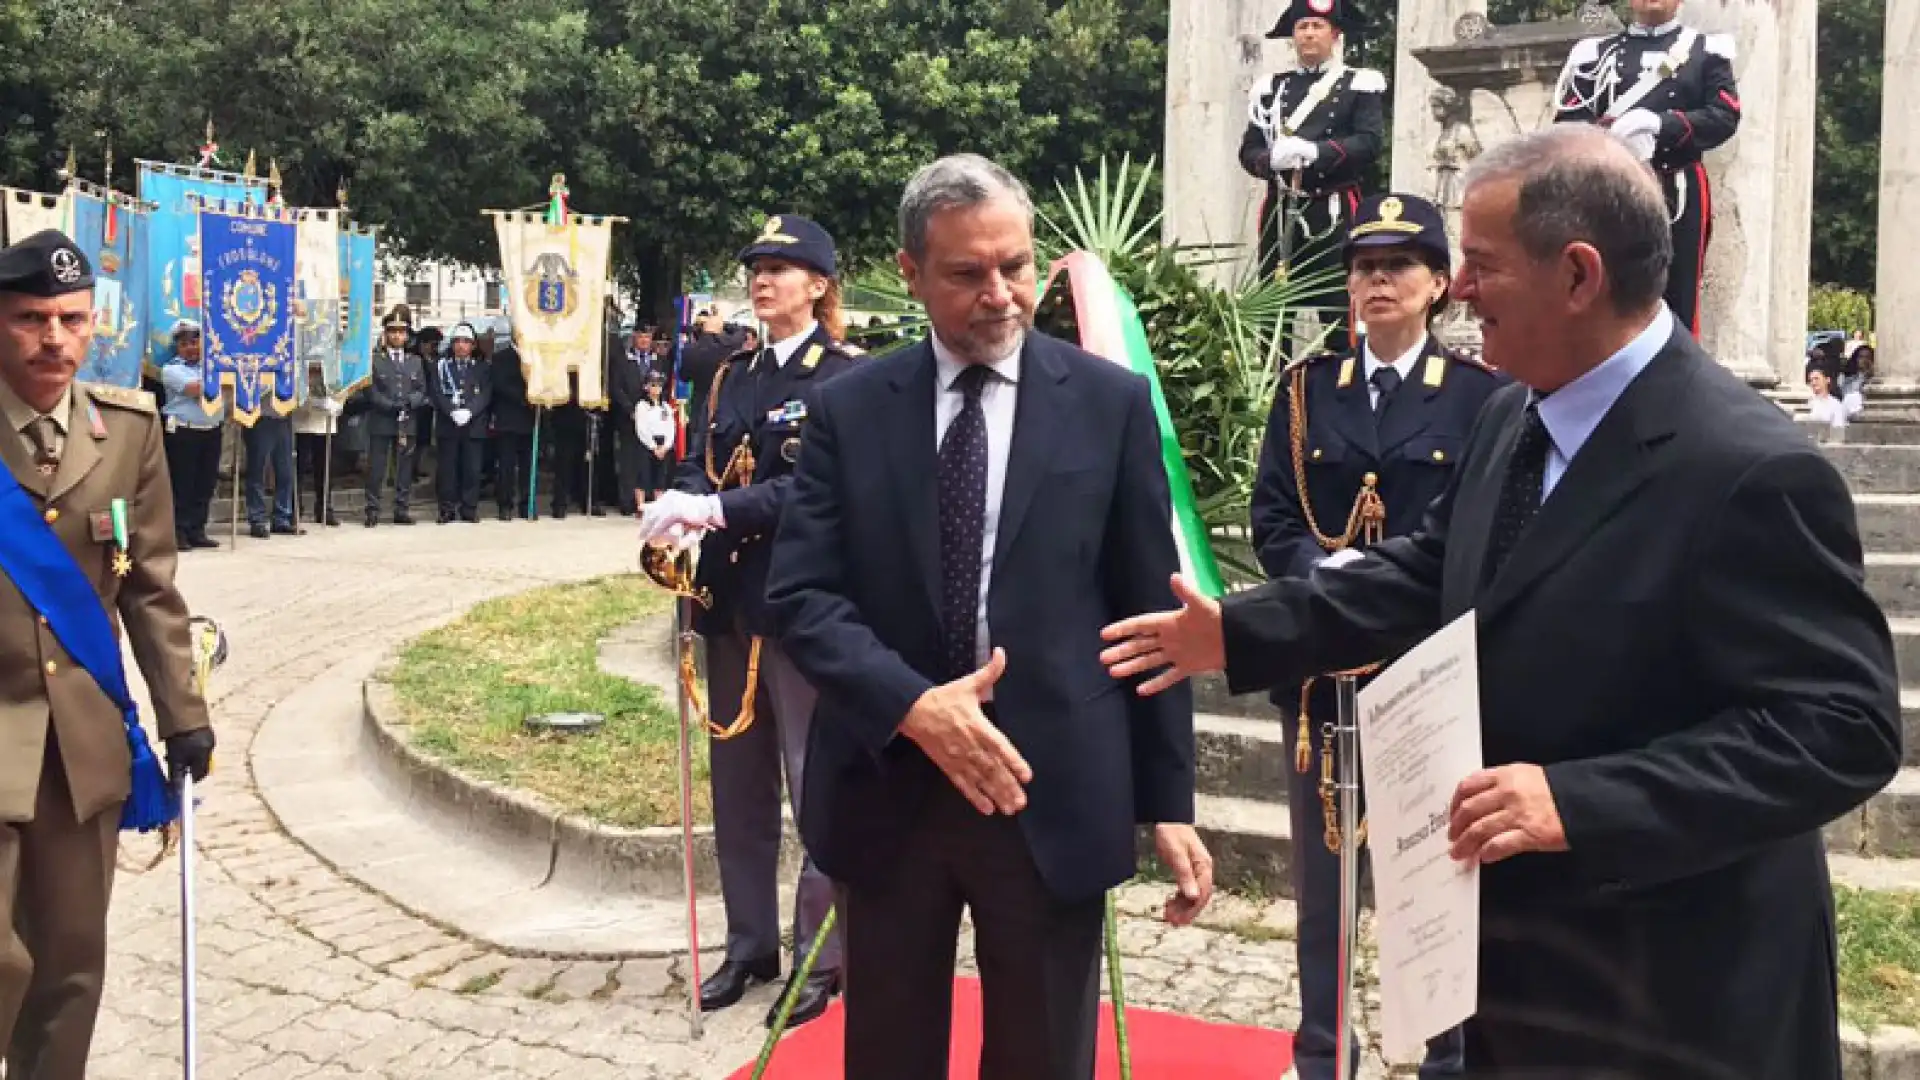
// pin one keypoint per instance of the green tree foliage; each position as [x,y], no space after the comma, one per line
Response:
[1846,157]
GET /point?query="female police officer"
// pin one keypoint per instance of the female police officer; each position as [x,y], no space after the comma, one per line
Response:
[1357,445]
[730,487]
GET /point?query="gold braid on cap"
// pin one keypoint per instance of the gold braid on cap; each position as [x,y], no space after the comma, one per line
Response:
[1367,523]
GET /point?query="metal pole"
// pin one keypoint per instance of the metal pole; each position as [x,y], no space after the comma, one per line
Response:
[1347,763]
[533,465]
[233,511]
[326,470]
[683,641]
[293,455]
[188,943]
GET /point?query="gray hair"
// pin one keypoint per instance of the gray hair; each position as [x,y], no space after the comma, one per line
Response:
[1580,184]
[955,181]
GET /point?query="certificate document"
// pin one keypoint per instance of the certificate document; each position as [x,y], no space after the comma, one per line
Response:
[1419,737]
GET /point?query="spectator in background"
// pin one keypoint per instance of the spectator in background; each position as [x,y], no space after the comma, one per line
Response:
[653,422]
[461,389]
[193,439]
[1825,407]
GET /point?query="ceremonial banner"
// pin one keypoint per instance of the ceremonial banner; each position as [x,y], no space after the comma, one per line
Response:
[556,279]
[119,293]
[316,308]
[356,274]
[249,330]
[171,259]
[29,212]
[1105,322]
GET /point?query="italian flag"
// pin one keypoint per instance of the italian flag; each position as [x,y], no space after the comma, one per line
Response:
[1110,326]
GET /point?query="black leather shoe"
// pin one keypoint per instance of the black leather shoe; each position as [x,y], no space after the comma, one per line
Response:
[372,518]
[288,529]
[258,532]
[403,519]
[729,984]
[814,997]
[202,540]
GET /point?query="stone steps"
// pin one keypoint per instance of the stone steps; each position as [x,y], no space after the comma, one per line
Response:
[1250,841]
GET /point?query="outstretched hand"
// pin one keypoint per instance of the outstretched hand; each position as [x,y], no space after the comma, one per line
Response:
[1177,644]
[950,728]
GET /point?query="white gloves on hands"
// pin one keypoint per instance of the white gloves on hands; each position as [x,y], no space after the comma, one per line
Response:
[677,517]
[1642,146]
[461,416]
[1292,152]
[330,406]
[1636,122]
[1341,558]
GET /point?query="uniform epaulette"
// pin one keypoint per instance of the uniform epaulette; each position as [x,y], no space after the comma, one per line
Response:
[123,397]
[1720,45]
[1467,358]
[1587,50]
[1308,361]
[1369,81]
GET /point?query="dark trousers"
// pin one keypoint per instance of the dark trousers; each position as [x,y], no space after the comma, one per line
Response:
[606,464]
[513,458]
[745,772]
[193,469]
[1690,204]
[1039,958]
[456,477]
[311,452]
[1316,890]
[654,474]
[270,448]
[56,876]
[1315,230]
[569,462]
[382,451]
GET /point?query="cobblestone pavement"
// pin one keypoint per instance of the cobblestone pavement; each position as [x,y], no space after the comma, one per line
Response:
[305,976]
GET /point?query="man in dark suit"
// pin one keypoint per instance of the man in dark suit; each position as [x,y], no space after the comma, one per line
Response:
[1682,677]
[965,517]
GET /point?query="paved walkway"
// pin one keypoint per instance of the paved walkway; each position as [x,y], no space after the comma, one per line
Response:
[305,975]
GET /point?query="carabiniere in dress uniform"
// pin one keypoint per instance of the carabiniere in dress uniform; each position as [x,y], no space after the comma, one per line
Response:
[1668,90]
[1359,442]
[1313,135]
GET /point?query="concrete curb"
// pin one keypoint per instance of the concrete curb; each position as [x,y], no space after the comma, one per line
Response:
[1890,1053]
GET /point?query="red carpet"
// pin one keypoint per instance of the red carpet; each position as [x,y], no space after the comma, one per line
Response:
[1165,1046]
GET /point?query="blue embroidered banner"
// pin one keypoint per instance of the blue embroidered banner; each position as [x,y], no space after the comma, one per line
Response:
[119,290]
[248,333]
[356,275]
[171,259]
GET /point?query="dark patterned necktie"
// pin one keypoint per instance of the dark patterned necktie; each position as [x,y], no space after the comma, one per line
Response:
[963,523]
[1520,494]
[45,436]
[1386,380]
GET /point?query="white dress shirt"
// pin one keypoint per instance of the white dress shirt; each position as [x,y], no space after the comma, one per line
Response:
[1402,364]
[997,396]
[1572,412]
[784,349]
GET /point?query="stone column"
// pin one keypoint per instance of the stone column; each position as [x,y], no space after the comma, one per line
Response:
[1793,192]
[1421,23]
[1897,295]
[1736,318]
[1215,51]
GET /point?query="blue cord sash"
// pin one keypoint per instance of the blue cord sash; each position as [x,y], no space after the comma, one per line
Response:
[54,585]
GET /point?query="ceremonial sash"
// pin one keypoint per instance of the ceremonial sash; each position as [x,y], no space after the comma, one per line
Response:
[54,585]
[1315,95]
[1656,76]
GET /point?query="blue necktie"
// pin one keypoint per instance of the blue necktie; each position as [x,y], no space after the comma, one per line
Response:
[963,522]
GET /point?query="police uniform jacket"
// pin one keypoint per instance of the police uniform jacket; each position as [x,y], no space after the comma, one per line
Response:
[1411,449]
[113,450]
[474,379]
[395,386]
[764,406]
[1348,126]
[1693,91]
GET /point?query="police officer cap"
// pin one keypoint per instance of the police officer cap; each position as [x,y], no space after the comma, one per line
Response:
[396,321]
[463,332]
[1343,14]
[796,239]
[1399,219]
[46,264]
[184,327]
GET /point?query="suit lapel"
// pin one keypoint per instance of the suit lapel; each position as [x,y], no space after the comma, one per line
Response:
[1402,420]
[1616,460]
[917,489]
[81,454]
[1036,421]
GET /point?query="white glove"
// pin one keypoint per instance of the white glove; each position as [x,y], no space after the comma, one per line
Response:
[460,417]
[1341,558]
[696,513]
[1636,122]
[1292,152]
[330,406]
[1642,146]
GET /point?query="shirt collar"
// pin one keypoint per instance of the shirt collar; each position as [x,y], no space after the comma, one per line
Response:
[19,414]
[1665,28]
[784,349]
[1402,363]
[948,367]
[1572,412]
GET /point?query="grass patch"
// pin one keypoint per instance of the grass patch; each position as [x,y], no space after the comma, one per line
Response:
[1879,957]
[467,688]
